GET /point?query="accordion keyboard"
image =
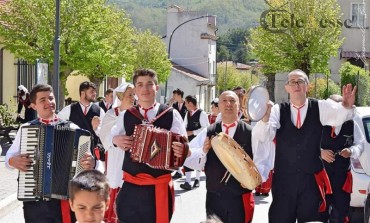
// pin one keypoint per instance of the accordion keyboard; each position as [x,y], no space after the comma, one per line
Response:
[27,185]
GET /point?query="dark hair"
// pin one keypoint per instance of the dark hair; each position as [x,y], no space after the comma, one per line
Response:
[89,180]
[215,102]
[86,85]
[239,88]
[191,99]
[179,92]
[144,72]
[39,88]
[108,91]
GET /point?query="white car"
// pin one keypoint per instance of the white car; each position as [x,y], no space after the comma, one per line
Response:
[360,168]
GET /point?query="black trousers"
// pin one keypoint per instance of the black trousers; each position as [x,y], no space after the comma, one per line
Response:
[294,197]
[136,204]
[338,202]
[44,212]
[229,208]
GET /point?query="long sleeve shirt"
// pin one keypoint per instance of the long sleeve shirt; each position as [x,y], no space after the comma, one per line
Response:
[203,120]
[177,122]
[331,113]
[198,157]
[66,112]
[358,140]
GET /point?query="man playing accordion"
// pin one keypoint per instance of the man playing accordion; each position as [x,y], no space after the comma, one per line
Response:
[42,211]
[145,195]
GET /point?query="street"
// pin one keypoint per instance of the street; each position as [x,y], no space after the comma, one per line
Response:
[189,207]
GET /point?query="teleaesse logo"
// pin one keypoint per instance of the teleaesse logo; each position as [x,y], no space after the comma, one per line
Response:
[278,20]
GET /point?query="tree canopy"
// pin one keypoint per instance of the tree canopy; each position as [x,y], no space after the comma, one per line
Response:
[96,39]
[298,34]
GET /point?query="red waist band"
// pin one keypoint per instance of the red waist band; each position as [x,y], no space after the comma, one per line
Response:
[161,184]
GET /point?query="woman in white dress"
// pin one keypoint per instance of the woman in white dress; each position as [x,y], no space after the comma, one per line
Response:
[123,98]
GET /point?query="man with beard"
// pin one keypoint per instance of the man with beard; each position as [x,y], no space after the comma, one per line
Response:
[86,114]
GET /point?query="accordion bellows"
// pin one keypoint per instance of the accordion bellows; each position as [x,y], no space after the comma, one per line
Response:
[153,146]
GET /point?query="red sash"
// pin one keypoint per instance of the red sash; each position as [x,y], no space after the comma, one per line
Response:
[265,187]
[66,211]
[161,194]
[248,201]
[347,187]
[323,183]
[110,214]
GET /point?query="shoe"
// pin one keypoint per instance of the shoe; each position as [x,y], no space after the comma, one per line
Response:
[196,183]
[177,175]
[185,186]
[257,193]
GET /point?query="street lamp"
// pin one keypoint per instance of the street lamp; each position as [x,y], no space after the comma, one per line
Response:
[170,40]
[56,54]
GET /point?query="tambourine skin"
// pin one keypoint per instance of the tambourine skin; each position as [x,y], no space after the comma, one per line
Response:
[256,103]
[236,161]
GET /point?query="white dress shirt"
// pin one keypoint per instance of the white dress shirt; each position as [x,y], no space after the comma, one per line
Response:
[177,122]
[198,158]
[66,112]
[358,140]
[331,113]
[116,155]
[203,121]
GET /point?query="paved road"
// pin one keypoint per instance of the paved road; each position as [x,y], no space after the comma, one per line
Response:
[189,207]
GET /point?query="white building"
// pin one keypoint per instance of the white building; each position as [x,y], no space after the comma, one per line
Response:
[191,38]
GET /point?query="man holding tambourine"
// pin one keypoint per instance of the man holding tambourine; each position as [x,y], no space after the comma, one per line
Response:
[226,198]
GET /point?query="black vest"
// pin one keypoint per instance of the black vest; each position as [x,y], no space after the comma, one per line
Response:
[298,150]
[214,169]
[130,121]
[84,122]
[102,105]
[193,122]
[343,140]
[183,109]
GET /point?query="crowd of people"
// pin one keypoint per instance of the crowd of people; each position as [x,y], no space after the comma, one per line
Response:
[301,149]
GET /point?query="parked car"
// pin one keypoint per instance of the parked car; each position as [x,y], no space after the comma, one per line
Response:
[360,167]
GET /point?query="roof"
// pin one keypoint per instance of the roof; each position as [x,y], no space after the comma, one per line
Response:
[239,66]
[189,73]
[353,54]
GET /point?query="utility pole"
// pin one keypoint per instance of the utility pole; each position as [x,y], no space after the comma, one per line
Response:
[56,54]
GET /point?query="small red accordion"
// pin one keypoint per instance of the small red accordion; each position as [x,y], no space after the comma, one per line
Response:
[153,146]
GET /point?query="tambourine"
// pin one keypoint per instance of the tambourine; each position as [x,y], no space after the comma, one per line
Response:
[256,103]
[236,161]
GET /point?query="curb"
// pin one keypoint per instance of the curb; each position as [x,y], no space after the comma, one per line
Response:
[9,204]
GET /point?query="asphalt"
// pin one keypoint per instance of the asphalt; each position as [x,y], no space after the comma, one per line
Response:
[8,182]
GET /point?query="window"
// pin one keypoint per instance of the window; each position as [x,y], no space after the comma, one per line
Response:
[26,74]
[358,14]
[366,122]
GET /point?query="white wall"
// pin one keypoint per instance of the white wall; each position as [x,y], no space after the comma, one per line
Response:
[187,48]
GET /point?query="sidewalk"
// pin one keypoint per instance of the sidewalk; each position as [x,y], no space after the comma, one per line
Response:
[8,183]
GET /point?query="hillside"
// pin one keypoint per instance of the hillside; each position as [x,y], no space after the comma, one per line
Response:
[151,14]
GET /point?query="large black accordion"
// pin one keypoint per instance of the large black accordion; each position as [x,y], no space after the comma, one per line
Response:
[55,151]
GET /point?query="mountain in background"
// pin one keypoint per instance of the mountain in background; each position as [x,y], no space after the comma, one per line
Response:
[231,14]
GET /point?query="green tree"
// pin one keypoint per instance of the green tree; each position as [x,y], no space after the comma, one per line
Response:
[232,45]
[350,74]
[229,77]
[151,53]
[297,34]
[323,89]
[95,40]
